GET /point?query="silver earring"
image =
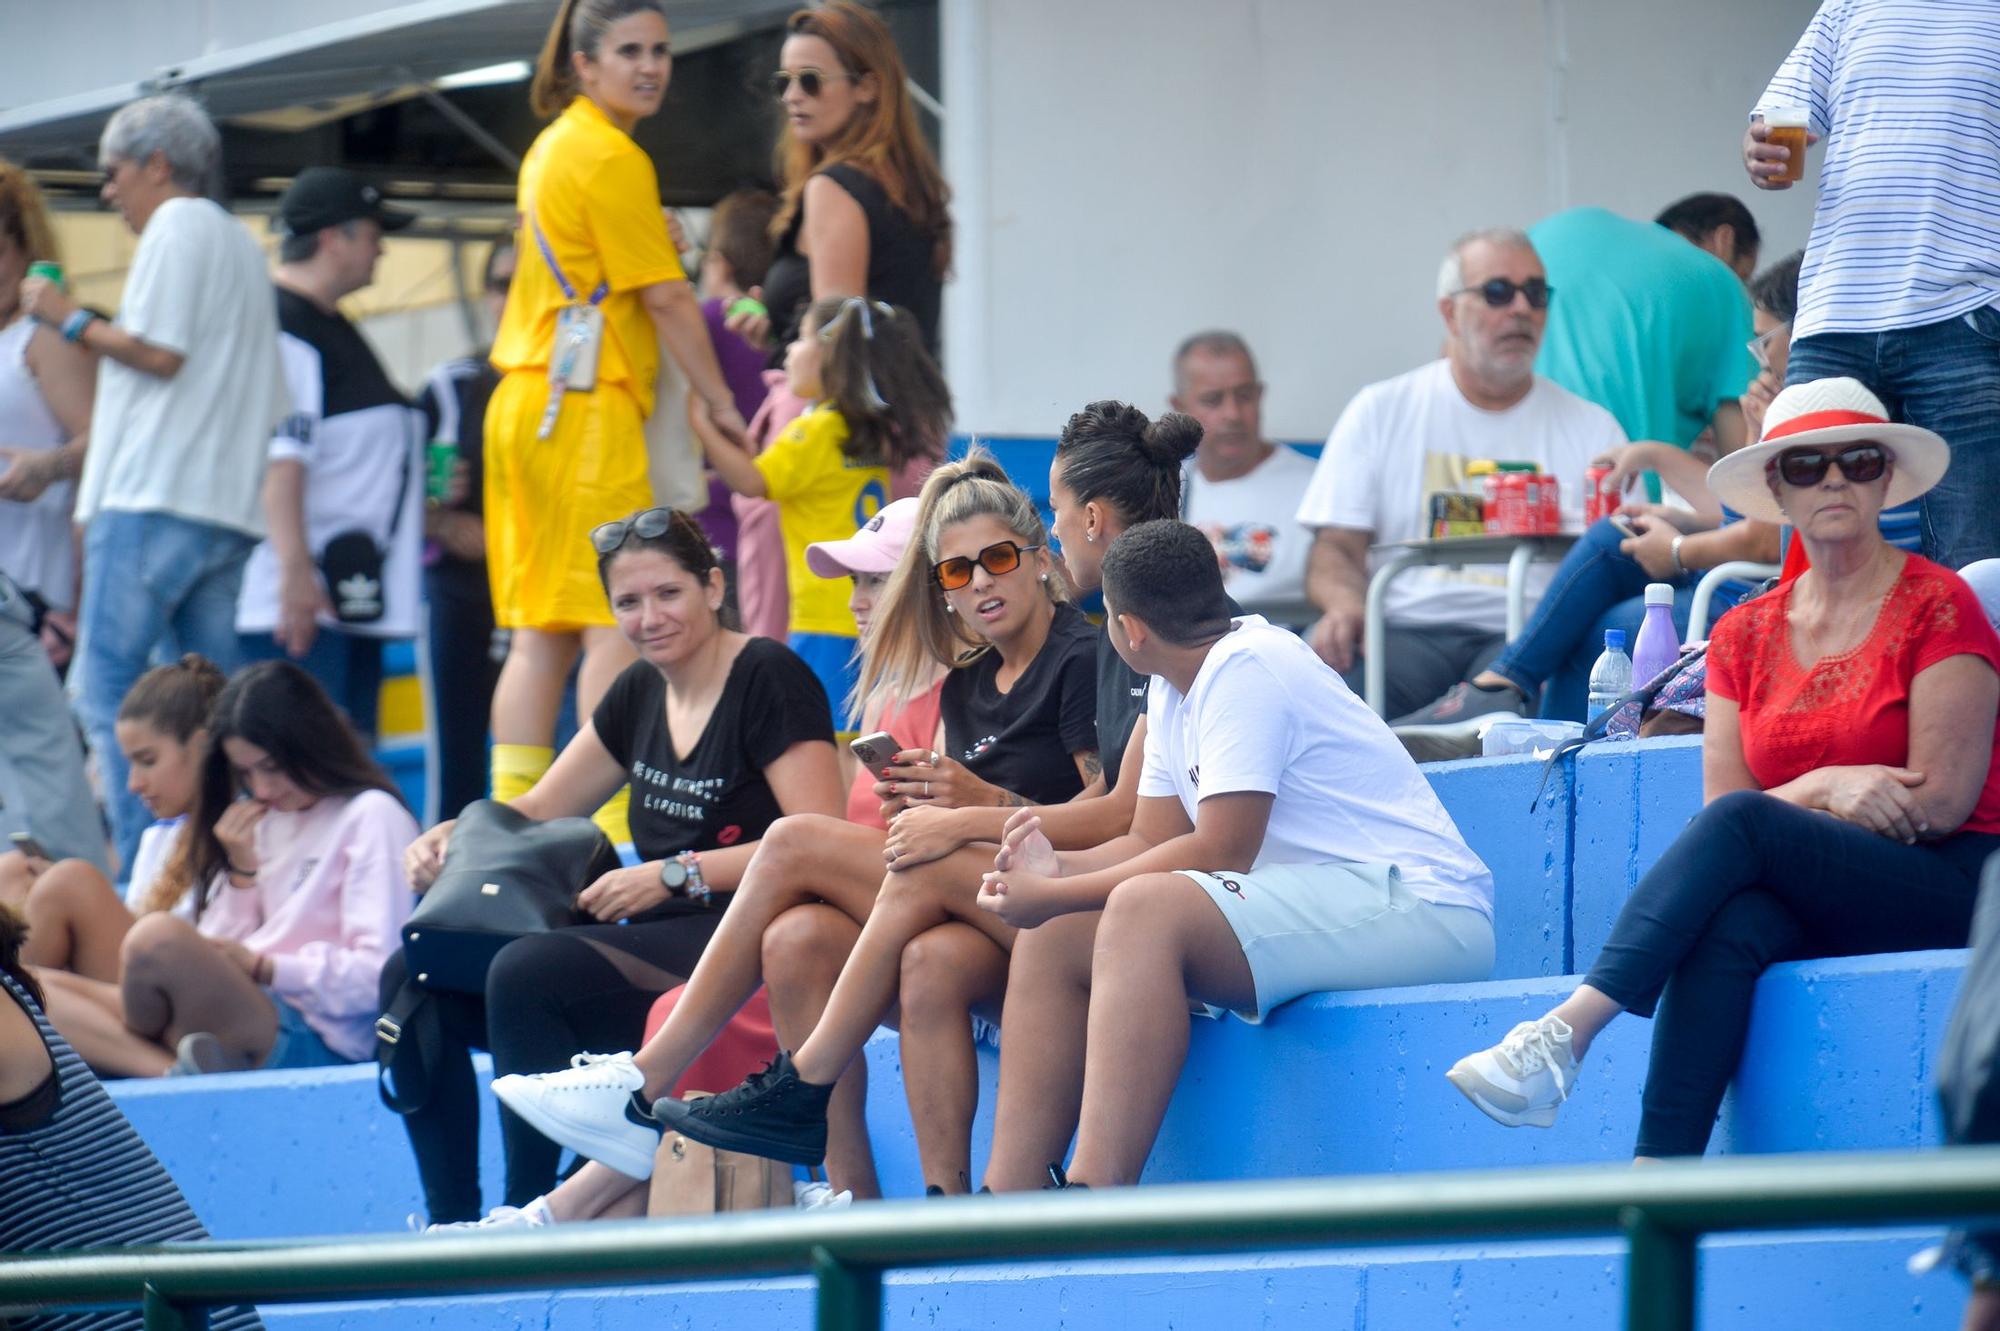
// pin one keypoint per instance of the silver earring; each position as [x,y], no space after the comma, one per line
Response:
[1090,538]
[1045,577]
[950,609]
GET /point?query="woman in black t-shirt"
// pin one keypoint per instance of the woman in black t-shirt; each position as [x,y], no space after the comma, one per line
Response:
[719,735]
[865,209]
[976,590]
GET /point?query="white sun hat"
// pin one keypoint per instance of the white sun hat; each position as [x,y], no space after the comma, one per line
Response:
[1828,411]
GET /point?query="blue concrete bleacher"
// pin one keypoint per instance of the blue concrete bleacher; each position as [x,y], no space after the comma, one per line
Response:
[1840,1057]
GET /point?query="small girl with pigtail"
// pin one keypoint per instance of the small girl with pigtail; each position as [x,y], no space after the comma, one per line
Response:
[877,426]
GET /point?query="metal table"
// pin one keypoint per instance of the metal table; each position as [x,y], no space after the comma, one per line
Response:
[1517,552]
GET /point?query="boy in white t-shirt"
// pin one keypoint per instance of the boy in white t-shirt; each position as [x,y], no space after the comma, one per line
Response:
[1284,843]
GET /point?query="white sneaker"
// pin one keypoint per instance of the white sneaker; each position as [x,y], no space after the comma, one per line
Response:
[535,1215]
[1524,1079]
[817,1196]
[588,1107]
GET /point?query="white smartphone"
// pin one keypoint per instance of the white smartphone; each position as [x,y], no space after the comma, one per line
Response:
[1623,523]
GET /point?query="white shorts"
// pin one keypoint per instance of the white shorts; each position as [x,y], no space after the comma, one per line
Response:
[1311,927]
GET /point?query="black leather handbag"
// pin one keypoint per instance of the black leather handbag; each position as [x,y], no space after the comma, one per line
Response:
[505,876]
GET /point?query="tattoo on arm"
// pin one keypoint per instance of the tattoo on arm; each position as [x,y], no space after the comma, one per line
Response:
[1009,800]
[1090,765]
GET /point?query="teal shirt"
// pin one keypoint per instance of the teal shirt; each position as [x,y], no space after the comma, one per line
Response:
[1644,324]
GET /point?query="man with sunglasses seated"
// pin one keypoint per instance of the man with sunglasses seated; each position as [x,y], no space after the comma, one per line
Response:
[1404,439]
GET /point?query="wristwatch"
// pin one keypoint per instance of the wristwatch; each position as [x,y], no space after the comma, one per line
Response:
[681,875]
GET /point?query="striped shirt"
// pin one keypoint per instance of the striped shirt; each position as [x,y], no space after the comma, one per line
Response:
[73,1174]
[1905,96]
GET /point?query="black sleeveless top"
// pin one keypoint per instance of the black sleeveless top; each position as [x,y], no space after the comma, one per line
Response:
[74,1174]
[900,259]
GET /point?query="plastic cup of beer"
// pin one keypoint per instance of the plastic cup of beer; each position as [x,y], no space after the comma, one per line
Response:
[1787,125]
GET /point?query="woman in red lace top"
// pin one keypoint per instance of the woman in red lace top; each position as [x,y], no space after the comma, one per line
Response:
[1849,769]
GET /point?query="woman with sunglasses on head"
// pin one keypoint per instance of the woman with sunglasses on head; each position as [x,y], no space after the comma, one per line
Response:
[865,210]
[720,735]
[976,592]
[597,291]
[1849,767]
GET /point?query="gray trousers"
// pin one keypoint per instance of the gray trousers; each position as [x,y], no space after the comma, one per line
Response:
[41,757]
[1423,662]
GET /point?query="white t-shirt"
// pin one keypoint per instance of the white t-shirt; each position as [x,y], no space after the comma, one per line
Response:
[192,445]
[1249,520]
[1403,439]
[1346,791]
[156,847]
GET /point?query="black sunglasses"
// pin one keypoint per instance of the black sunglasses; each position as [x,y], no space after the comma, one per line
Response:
[647,524]
[1499,292]
[1804,467]
[811,81]
[998,558]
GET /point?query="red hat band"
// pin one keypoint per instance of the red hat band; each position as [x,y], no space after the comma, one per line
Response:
[1821,420]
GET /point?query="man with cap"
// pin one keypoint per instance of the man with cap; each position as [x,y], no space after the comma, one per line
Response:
[343,492]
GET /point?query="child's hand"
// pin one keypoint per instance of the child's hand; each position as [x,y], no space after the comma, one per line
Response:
[1021,899]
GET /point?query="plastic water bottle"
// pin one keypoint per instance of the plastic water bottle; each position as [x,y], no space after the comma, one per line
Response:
[1659,644]
[1611,677]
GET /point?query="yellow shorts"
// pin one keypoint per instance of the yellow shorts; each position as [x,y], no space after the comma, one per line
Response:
[544,495]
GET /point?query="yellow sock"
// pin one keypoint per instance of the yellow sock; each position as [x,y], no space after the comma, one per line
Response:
[614,819]
[517,767]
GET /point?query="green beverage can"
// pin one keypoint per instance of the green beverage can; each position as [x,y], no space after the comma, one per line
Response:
[439,455]
[44,268]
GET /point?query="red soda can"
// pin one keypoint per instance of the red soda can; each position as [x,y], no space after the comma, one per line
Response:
[1514,513]
[1490,488]
[1552,518]
[1599,500]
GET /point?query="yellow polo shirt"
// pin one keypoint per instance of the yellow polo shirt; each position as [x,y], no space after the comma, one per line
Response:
[821,496]
[597,199]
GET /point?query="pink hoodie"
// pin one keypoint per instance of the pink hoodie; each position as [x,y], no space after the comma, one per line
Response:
[327,907]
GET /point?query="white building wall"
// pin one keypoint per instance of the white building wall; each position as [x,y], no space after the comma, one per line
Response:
[1130,170]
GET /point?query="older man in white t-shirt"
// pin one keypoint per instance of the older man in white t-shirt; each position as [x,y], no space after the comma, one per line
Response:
[1403,439]
[188,388]
[1240,488]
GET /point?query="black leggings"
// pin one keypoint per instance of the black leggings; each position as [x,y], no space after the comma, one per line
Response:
[1755,880]
[548,996]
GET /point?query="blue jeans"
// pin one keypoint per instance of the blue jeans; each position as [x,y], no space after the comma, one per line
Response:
[154,586]
[1753,881]
[1596,587]
[1945,377]
[347,665]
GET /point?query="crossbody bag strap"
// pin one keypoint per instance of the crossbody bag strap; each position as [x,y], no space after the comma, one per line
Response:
[555,269]
[408,1040]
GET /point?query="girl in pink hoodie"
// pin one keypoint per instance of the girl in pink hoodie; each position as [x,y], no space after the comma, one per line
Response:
[293,860]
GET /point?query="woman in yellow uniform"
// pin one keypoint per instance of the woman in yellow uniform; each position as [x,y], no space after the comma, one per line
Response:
[597,291]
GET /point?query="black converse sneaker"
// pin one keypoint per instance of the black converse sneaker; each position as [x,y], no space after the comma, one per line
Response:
[773,1114]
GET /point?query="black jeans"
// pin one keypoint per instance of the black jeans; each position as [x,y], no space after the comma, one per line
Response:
[1755,880]
[548,996]
[464,669]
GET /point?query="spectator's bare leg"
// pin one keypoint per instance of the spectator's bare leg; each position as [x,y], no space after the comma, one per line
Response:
[908,904]
[804,950]
[76,922]
[177,982]
[528,698]
[1161,940]
[802,859]
[947,973]
[1587,1011]
[91,1016]
[596,1192]
[1041,1053]
[1982,1311]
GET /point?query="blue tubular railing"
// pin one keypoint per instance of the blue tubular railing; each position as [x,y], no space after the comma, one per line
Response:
[1662,1211]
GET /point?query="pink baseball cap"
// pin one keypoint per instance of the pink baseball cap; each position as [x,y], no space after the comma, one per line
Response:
[876,548]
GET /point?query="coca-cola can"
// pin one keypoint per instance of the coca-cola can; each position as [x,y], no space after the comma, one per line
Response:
[1516,513]
[1599,500]
[1490,491]
[1551,514]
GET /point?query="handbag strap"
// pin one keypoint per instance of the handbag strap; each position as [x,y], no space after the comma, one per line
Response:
[555,269]
[408,1045]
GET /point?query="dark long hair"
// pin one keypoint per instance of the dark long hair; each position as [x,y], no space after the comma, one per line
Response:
[1111,453]
[281,709]
[13,933]
[876,373]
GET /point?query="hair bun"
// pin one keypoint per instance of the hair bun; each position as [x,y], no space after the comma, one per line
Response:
[1173,437]
[201,667]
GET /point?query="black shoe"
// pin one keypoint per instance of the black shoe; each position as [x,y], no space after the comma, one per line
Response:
[1060,1182]
[774,1114]
[933,1190]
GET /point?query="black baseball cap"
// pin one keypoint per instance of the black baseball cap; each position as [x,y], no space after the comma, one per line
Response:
[324,196]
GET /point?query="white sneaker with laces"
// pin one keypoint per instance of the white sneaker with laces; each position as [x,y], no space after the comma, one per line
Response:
[535,1215]
[1524,1079]
[588,1108]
